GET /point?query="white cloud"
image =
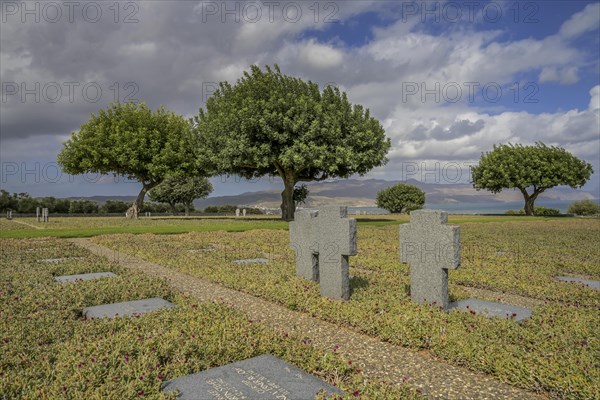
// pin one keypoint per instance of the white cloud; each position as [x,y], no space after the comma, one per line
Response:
[584,21]
[565,75]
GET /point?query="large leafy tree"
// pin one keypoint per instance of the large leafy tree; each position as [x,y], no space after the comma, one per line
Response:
[531,169]
[273,124]
[401,198]
[181,189]
[133,141]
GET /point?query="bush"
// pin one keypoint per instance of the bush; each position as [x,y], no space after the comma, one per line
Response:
[584,207]
[515,212]
[539,210]
[401,198]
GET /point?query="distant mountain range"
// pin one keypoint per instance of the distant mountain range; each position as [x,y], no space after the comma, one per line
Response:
[362,193]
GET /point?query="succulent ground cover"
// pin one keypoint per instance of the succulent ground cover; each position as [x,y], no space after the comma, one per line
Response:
[47,350]
[556,351]
[66,227]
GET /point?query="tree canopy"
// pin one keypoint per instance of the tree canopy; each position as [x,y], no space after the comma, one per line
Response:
[180,189]
[269,123]
[133,141]
[531,169]
[401,198]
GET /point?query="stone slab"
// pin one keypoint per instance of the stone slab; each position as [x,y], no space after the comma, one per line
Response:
[264,377]
[59,260]
[587,282]
[201,250]
[492,309]
[251,260]
[84,277]
[127,308]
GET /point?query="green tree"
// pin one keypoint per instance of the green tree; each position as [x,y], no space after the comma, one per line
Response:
[300,194]
[273,124]
[179,189]
[26,204]
[584,207]
[83,207]
[531,169]
[8,201]
[401,198]
[114,207]
[133,141]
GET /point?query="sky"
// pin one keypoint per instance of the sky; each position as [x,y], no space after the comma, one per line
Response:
[447,80]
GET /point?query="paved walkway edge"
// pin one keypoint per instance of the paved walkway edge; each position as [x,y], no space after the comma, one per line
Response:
[378,360]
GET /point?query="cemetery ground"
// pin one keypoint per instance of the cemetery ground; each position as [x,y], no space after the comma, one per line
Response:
[48,350]
[47,347]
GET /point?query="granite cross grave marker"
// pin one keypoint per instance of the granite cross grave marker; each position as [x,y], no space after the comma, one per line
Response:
[323,241]
[431,248]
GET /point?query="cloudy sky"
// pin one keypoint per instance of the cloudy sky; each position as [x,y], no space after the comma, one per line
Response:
[446,79]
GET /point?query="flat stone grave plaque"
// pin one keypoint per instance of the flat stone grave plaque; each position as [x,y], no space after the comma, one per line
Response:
[59,260]
[251,260]
[263,377]
[200,250]
[127,308]
[84,277]
[587,282]
[492,309]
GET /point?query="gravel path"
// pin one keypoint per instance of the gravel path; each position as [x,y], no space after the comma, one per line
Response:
[378,360]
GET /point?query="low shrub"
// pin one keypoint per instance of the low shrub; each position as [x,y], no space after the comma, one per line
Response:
[584,207]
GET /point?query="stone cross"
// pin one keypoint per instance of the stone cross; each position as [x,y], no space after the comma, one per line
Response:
[237,212]
[323,241]
[430,247]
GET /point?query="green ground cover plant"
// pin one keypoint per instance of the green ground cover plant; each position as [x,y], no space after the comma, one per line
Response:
[48,351]
[554,352]
[70,227]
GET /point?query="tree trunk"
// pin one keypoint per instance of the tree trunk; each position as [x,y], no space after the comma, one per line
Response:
[530,199]
[288,207]
[134,211]
[529,205]
[187,210]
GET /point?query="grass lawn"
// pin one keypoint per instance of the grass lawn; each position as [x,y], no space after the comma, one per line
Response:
[69,227]
[48,351]
[556,351]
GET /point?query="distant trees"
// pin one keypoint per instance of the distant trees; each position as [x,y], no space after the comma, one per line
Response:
[534,168]
[83,207]
[269,123]
[401,198]
[584,207]
[114,207]
[180,189]
[25,204]
[230,209]
[133,141]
